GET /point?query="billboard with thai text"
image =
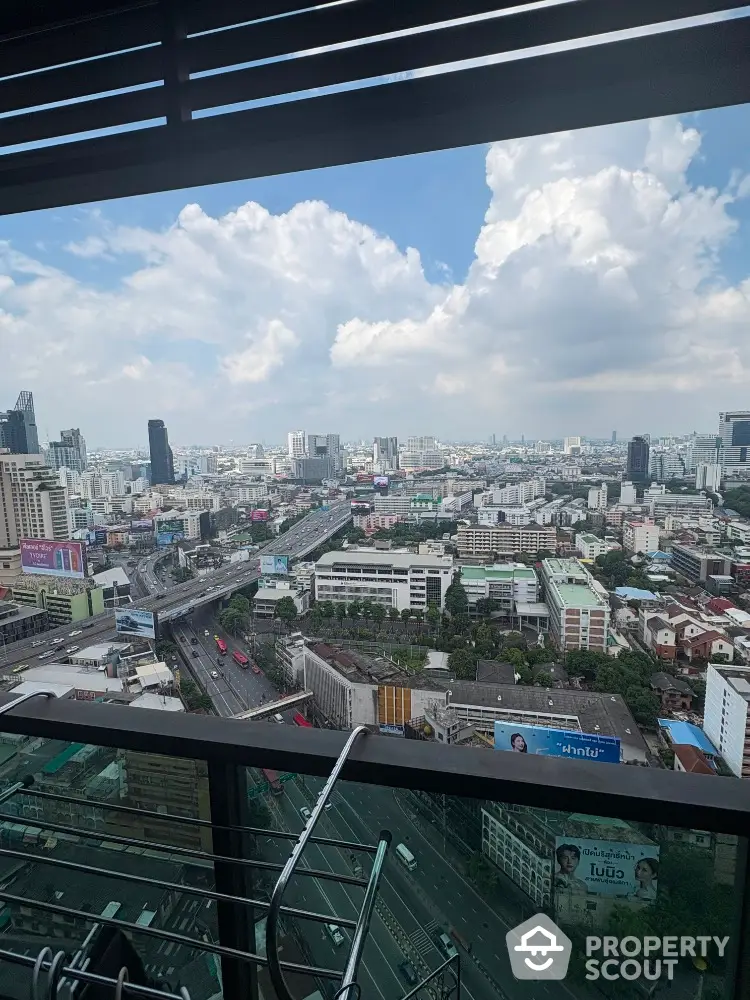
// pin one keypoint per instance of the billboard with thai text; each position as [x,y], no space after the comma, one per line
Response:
[546,742]
[259,515]
[50,558]
[605,868]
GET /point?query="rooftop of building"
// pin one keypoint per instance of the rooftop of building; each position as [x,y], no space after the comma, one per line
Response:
[159,702]
[362,669]
[12,612]
[590,539]
[693,760]
[531,526]
[594,712]
[373,557]
[72,675]
[666,682]
[65,586]
[101,650]
[636,594]
[499,571]
[110,577]
[685,733]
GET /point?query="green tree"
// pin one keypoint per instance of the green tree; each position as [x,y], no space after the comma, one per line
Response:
[523,673]
[316,617]
[354,610]
[463,663]
[367,609]
[456,599]
[543,679]
[405,615]
[240,604]
[182,574]
[327,610]
[341,610]
[393,615]
[485,606]
[418,616]
[232,620]
[286,610]
[433,616]
[514,640]
[258,813]
[378,614]
[514,656]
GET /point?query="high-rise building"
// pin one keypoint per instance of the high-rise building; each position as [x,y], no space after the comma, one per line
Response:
[727,715]
[32,505]
[385,454]
[704,449]
[734,431]
[598,497]
[638,456]
[614,437]
[421,443]
[708,476]
[327,447]
[666,465]
[627,493]
[18,427]
[572,446]
[162,461]
[69,452]
[296,444]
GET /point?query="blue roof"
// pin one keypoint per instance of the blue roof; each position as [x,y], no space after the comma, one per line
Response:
[659,555]
[686,732]
[636,594]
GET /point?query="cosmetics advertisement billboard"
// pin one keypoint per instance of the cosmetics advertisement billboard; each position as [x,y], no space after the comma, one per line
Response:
[45,557]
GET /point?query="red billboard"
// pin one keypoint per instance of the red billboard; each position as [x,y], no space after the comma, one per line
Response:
[259,515]
[49,558]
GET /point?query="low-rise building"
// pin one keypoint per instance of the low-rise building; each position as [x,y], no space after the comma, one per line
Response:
[659,635]
[505,540]
[64,600]
[115,585]
[393,580]
[266,600]
[590,546]
[640,535]
[504,583]
[18,622]
[697,565]
[675,694]
[578,605]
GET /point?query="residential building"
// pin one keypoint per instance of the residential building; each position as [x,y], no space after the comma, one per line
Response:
[638,460]
[697,565]
[311,470]
[190,520]
[515,494]
[590,546]
[113,483]
[18,427]
[18,622]
[504,583]
[598,497]
[726,719]
[503,539]
[328,447]
[627,493]
[296,447]
[578,605]
[669,464]
[640,536]
[69,452]
[708,645]
[421,460]
[661,503]
[519,515]
[659,635]
[675,693]
[385,454]
[266,600]
[708,476]
[734,431]
[162,460]
[691,760]
[370,523]
[206,500]
[394,580]
[90,485]
[572,446]
[32,505]
[79,518]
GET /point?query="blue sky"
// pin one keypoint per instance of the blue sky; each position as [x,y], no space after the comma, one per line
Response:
[323,319]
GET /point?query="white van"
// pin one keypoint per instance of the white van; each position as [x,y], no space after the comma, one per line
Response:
[334,933]
[447,947]
[278,718]
[406,858]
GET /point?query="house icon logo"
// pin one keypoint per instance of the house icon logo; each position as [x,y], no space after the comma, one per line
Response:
[538,949]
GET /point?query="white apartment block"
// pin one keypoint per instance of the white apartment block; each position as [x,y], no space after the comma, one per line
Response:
[627,493]
[640,536]
[70,479]
[590,546]
[393,580]
[396,503]
[421,460]
[296,444]
[32,505]
[204,500]
[258,466]
[248,494]
[480,540]
[189,518]
[578,605]
[726,719]
[91,485]
[505,515]
[113,483]
[598,497]
[734,431]
[515,494]
[708,476]
[504,583]
[79,518]
[572,446]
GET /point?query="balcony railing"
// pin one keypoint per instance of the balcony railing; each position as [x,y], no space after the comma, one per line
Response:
[149,853]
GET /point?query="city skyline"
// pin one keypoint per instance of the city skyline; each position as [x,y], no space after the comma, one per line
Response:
[598,273]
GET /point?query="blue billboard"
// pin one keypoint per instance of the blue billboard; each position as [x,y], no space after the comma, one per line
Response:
[546,742]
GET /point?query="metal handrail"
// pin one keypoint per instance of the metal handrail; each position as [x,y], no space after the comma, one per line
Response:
[25,697]
[272,921]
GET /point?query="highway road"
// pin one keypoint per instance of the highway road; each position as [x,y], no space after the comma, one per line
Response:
[174,603]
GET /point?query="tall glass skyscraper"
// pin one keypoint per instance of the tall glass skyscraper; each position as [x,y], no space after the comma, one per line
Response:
[638,456]
[162,461]
[18,427]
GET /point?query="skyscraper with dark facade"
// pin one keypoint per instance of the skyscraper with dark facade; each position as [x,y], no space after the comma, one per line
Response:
[18,427]
[69,452]
[162,461]
[638,455]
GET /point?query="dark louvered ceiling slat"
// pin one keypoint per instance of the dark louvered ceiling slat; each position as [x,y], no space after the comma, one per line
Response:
[330,25]
[665,73]
[83,116]
[124,29]
[521,30]
[126,69]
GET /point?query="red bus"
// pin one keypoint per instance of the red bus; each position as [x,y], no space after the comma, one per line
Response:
[221,646]
[300,720]
[273,781]
[240,658]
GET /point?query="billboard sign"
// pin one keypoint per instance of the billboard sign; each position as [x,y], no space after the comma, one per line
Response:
[606,868]
[131,621]
[168,531]
[380,482]
[100,536]
[546,742]
[49,558]
[259,515]
[274,564]
[145,525]
[390,730]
